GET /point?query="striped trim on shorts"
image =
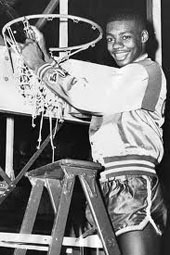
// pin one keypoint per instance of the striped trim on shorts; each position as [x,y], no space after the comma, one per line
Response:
[134,201]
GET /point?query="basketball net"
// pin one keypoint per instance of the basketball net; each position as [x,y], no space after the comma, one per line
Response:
[43,102]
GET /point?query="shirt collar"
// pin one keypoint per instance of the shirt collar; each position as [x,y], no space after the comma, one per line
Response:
[144,56]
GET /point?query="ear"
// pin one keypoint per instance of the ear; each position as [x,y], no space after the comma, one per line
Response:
[144,36]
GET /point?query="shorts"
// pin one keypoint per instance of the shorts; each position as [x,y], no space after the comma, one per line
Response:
[134,201]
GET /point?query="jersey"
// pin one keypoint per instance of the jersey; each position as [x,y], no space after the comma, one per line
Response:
[130,142]
[127,114]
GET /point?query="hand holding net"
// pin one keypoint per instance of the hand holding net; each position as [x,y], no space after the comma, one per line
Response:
[36,94]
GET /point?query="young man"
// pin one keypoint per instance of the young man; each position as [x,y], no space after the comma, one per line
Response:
[125,131]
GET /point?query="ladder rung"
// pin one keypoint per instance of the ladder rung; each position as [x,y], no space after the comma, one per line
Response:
[42,242]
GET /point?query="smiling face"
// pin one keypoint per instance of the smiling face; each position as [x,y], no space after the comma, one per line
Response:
[125,41]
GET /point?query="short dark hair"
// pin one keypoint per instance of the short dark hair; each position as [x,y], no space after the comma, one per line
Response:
[128,14]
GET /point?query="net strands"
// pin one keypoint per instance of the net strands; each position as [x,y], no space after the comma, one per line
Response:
[43,102]
[30,87]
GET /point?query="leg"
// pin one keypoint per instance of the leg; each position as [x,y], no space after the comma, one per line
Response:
[145,242]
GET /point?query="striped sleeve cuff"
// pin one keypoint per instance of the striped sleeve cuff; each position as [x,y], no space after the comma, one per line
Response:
[43,69]
[57,69]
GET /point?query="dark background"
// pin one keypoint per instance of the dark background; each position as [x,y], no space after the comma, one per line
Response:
[72,139]
[75,136]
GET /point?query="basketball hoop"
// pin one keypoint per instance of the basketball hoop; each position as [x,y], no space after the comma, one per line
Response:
[36,94]
[9,33]
[30,86]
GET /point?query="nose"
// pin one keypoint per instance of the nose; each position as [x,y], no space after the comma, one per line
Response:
[117,44]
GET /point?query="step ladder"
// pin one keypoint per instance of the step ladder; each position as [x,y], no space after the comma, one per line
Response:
[59,180]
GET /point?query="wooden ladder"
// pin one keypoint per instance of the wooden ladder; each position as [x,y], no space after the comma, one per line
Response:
[59,180]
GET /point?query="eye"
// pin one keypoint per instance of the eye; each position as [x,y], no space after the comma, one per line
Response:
[109,39]
[126,37]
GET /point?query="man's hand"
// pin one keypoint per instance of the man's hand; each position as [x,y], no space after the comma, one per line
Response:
[39,38]
[32,54]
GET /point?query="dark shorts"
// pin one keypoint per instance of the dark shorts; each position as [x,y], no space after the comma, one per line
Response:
[133,202]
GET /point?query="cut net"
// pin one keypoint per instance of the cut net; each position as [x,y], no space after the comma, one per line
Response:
[36,93]
[42,101]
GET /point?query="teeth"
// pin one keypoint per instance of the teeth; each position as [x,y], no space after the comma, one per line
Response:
[120,56]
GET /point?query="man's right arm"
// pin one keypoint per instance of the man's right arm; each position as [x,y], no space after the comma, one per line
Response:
[124,91]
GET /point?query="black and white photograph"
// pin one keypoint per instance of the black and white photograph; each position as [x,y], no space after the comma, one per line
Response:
[84,127]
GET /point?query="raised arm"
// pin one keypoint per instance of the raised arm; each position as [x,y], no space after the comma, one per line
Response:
[123,91]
